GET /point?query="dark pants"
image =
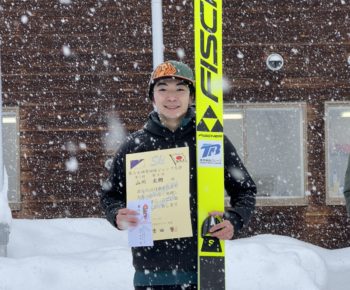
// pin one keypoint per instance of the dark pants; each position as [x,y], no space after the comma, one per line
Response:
[167,287]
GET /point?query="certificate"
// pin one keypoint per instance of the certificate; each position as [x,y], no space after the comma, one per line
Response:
[162,176]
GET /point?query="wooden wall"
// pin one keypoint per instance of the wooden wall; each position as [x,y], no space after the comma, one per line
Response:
[67,97]
[313,38]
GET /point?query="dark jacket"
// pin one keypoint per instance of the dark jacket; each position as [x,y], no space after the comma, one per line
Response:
[180,255]
[347,187]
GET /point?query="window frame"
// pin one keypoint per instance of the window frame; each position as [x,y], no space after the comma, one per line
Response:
[331,200]
[278,201]
[15,204]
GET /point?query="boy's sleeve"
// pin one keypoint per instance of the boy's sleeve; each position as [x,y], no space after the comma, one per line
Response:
[113,192]
[240,188]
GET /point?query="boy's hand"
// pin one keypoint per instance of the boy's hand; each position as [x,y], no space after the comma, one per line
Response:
[223,230]
[126,218]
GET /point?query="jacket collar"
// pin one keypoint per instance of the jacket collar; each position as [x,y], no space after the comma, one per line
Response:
[154,126]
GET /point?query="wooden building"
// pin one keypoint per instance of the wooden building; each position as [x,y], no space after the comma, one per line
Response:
[70,66]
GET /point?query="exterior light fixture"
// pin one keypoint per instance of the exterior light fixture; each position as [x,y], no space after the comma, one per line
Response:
[274,62]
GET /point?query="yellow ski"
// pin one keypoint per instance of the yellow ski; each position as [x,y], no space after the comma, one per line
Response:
[209,122]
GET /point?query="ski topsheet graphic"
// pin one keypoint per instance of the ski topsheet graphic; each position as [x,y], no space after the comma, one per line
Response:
[209,122]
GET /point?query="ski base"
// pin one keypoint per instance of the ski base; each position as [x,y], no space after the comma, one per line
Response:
[212,273]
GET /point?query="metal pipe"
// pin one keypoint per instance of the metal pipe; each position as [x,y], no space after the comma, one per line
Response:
[4,208]
[1,151]
[157,32]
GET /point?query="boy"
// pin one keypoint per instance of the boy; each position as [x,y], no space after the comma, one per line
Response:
[172,263]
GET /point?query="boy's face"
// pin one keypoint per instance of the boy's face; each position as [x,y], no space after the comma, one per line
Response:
[172,98]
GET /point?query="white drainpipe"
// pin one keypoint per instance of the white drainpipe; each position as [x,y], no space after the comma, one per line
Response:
[5,212]
[157,32]
[1,154]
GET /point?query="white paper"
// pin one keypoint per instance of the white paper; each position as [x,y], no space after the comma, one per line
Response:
[141,235]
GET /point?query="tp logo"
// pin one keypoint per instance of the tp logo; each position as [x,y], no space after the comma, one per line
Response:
[210,153]
[210,150]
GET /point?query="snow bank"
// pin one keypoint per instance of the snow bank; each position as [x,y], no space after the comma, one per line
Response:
[81,254]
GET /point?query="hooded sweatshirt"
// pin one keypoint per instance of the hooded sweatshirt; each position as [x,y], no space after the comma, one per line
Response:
[174,261]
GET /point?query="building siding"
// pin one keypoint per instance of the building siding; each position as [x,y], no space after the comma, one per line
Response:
[66,98]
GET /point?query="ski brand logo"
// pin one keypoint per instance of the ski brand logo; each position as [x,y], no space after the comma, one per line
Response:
[209,71]
[208,47]
[210,153]
[209,122]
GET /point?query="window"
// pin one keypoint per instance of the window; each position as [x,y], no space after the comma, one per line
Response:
[337,126]
[10,137]
[270,140]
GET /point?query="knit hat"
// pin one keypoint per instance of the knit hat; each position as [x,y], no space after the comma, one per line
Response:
[171,69]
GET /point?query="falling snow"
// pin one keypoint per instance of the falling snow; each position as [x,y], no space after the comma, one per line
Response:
[72,164]
[78,74]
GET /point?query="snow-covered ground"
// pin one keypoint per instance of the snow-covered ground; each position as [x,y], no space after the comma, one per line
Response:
[88,254]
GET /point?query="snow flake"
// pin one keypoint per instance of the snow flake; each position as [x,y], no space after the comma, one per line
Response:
[82,146]
[226,85]
[240,55]
[106,185]
[72,164]
[108,163]
[295,51]
[66,50]
[71,147]
[180,53]
[24,19]
[237,173]
[115,135]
